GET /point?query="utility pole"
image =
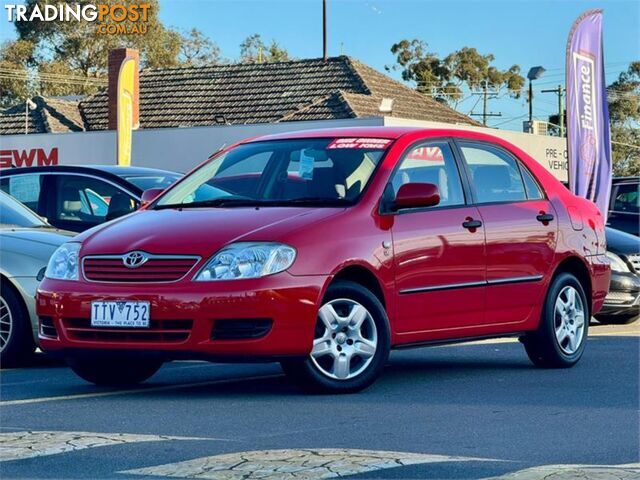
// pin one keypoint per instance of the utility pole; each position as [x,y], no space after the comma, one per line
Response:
[486,94]
[560,92]
[324,30]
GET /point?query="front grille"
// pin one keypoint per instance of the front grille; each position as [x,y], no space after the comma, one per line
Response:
[635,262]
[160,331]
[155,269]
[619,298]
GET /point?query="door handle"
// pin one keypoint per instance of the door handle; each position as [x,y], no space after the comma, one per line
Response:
[471,224]
[544,217]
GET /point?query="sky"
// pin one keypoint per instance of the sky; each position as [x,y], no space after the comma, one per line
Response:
[527,33]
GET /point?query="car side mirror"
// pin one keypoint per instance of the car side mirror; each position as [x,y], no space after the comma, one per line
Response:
[417,195]
[150,195]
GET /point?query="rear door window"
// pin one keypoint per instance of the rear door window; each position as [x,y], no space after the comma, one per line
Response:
[495,175]
[627,198]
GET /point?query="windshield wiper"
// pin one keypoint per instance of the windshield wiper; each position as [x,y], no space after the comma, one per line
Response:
[329,202]
[214,202]
[252,202]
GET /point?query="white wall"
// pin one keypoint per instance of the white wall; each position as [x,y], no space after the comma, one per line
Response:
[181,149]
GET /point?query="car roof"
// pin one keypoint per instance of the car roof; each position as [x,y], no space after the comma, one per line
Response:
[92,169]
[112,173]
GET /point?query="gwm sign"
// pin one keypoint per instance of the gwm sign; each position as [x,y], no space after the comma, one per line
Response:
[34,157]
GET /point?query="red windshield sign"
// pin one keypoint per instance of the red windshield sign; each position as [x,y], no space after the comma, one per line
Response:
[368,143]
[28,158]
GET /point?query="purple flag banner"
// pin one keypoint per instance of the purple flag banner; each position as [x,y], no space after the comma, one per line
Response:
[588,136]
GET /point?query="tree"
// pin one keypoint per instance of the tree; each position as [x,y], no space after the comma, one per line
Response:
[254,50]
[623,97]
[14,58]
[624,111]
[84,49]
[52,58]
[445,79]
[197,50]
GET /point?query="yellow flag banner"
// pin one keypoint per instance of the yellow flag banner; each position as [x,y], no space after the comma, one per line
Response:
[125,110]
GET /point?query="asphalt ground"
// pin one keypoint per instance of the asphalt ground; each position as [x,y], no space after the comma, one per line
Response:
[457,412]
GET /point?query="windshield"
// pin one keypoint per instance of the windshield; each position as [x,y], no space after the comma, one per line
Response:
[321,172]
[148,181]
[15,214]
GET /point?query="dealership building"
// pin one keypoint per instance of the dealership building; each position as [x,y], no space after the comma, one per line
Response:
[185,114]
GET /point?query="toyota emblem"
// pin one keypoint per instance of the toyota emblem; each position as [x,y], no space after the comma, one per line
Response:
[134,259]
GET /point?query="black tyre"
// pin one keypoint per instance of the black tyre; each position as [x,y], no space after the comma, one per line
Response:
[114,371]
[561,337]
[16,337]
[351,342]
[621,319]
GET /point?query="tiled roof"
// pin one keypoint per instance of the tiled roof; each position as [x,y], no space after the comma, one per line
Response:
[315,89]
[52,115]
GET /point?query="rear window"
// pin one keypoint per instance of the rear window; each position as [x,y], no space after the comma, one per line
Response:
[146,182]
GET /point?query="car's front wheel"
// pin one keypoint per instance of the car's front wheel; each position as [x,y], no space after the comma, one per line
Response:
[114,371]
[561,337]
[16,337]
[351,342]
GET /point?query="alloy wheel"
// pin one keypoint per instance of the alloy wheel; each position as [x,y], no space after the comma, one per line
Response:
[346,339]
[6,323]
[569,320]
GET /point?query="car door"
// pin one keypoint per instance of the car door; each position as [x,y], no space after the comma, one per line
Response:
[439,252]
[520,228]
[79,202]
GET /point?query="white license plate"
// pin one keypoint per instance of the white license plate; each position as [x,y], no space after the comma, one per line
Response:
[120,314]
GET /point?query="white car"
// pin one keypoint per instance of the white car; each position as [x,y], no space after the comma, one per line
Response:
[26,243]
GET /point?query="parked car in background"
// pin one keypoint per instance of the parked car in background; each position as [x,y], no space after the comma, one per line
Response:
[624,208]
[27,242]
[622,304]
[324,250]
[77,198]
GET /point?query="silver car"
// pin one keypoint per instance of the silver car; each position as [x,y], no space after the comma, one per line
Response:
[26,243]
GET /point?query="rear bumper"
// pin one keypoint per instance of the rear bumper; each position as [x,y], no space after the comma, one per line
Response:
[183,316]
[600,277]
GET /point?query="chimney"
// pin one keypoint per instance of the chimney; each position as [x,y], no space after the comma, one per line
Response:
[116,59]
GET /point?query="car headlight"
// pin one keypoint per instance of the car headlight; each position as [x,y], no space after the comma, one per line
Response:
[63,264]
[247,260]
[617,264]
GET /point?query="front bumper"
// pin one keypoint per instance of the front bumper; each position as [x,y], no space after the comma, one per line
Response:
[290,302]
[624,295]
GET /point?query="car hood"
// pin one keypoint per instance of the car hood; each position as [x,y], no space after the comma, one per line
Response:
[51,237]
[623,243]
[26,250]
[198,231]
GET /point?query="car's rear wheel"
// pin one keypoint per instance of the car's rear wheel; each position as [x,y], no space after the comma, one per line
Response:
[621,319]
[114,371]
[16,336]
[351,342]
[561,337]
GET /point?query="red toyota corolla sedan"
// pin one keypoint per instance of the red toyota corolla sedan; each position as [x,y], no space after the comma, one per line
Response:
[324,250]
